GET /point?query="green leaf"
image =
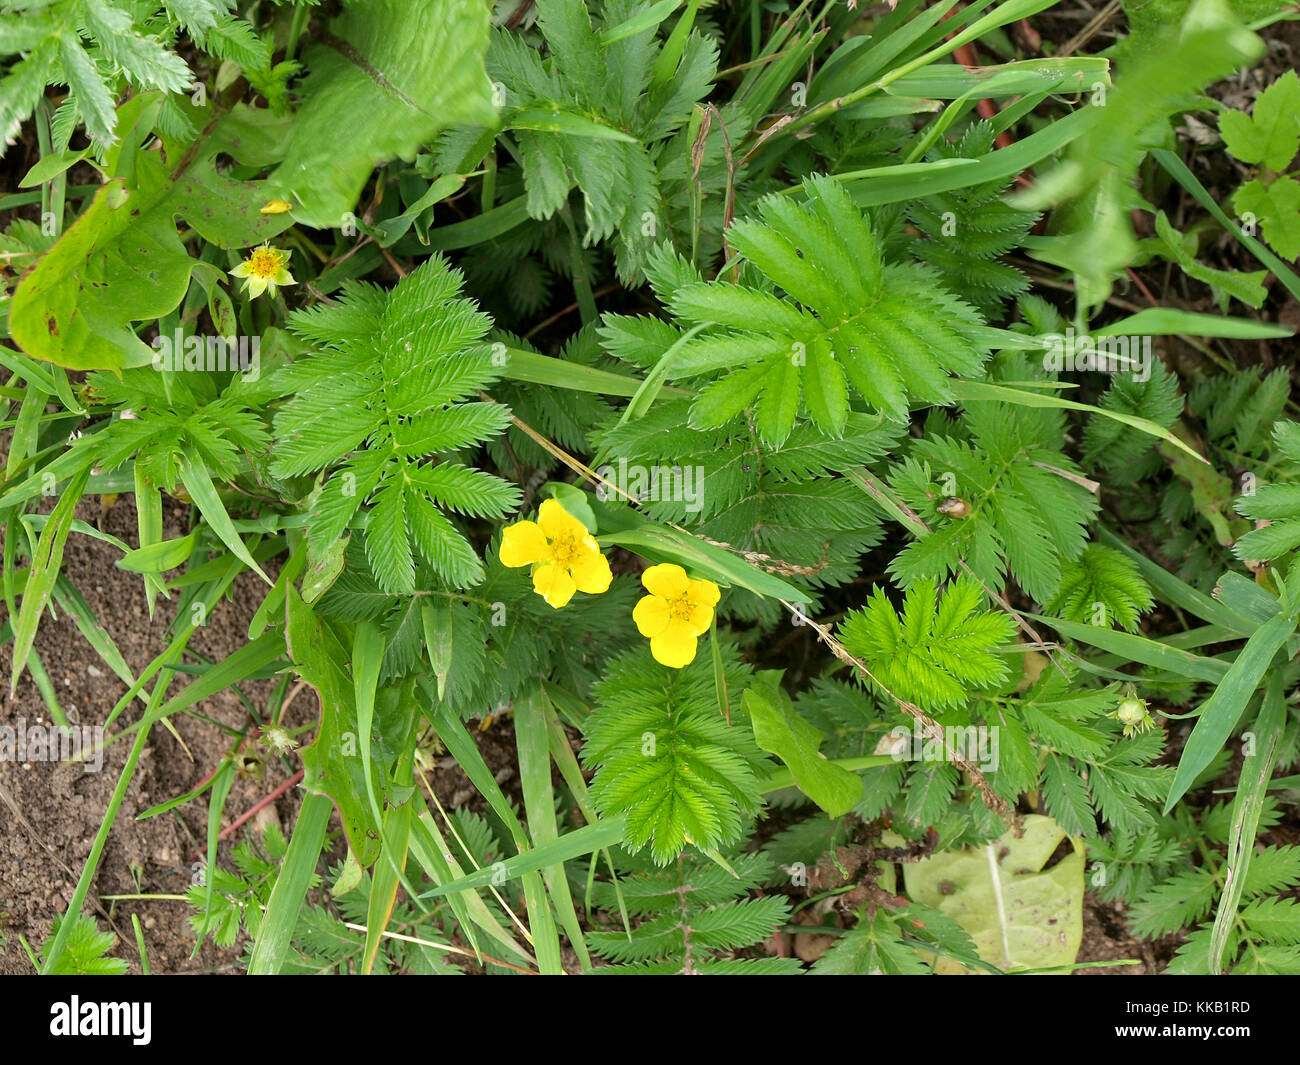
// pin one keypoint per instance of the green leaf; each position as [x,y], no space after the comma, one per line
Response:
[393,75]
[604,833]
[1270,135]
[323,568]
[1169,321]
[891,331]
[667,761]
[1276,209]
[109,268]
[543,370]
[779,730]
[1137,648]
[1247,287]
[50,167]
[935,652]
[331,764]
[159,557]
[557,119]
[532,738]
[1252,788]
[198,482]
[661,543]
[978,391]
[122,261]
[271,949]
[86,947]
[1177,169]
[47,560]
[1220,713]
[94,99]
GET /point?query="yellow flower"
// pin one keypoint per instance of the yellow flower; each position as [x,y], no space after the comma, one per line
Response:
[276,207]
[565,556]
[264,269]
[676,612]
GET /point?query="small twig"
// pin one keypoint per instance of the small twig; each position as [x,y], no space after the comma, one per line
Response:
[1090,30]
[729,204]
[443,946]
[225,833]
[612,287]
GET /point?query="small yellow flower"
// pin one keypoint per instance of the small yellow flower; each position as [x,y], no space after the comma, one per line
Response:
[565,556]
[677,611]
[276,207]
[264,269]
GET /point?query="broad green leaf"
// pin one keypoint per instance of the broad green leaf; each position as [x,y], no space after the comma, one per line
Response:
[110,268]
[779,730]
[122,261]
[393,74]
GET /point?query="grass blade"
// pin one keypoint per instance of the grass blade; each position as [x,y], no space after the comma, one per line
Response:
[533,742]
[1222,710]
[1252,787]
[274,937]
[44,573]
[198,482]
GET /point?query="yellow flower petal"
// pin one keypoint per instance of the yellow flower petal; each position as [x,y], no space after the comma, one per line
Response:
[674,647]
[704,593]
[522,544]
[700,619]
[552,582]
[558,524]
[591,573]
[284,278]
[651,615]
[666,580]
[241,270]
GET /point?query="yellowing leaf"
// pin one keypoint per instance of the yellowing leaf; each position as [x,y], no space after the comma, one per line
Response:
[1020,915]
